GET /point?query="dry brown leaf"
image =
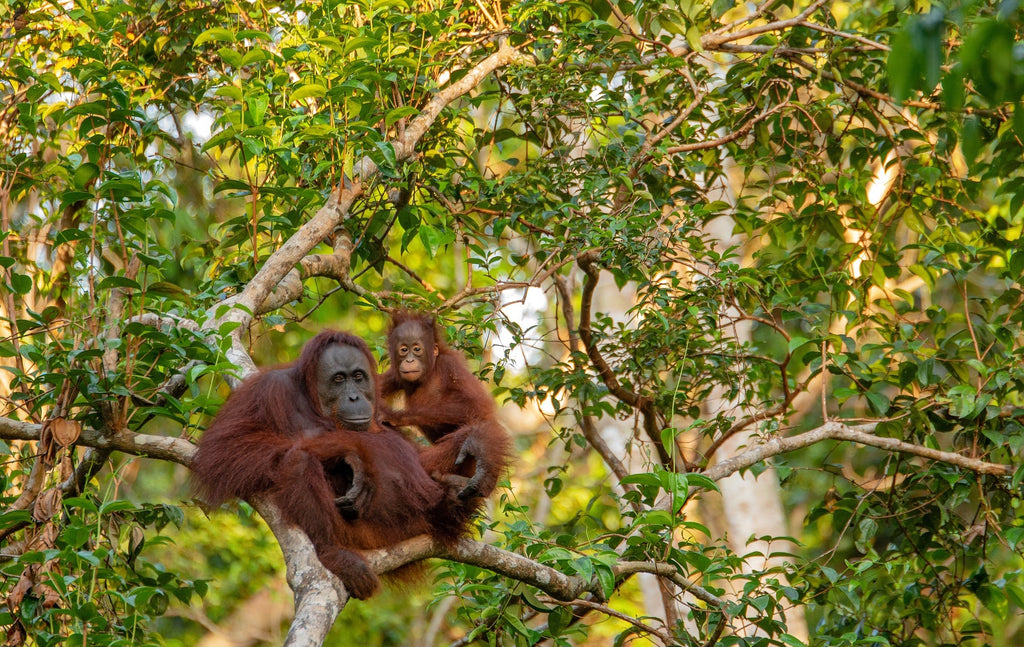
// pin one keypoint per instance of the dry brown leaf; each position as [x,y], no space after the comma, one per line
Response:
[15,635]
[45,538]
[47,594]
[136,540]
[66,432]
[47,446]
[66,468]
[47,505]
[24,585]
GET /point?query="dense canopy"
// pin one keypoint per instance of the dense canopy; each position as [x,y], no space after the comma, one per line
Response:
[745,279]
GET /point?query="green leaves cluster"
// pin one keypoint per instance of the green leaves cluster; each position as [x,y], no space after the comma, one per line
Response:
[94,584]
[741,225]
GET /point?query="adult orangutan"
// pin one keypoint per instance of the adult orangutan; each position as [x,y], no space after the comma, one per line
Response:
[307,437]
[446,402]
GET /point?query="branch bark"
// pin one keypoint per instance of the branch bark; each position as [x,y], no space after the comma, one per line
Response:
[643,403]
[339,204]
[862,434]
[176,450]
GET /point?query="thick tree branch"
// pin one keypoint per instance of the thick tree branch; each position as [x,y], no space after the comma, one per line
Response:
[176,450]
[339,205]
[181,451]
[320,597]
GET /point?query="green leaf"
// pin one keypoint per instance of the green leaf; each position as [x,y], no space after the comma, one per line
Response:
[85,174]
[229,91]
[315,90]
[118,505]
[558,620]
[972,139]
[20,283]
[214,34]
[70,235]
[902,66]
[796,342]
[961,400]
[398,113]
[701,481]
[118,282]
[360,42]
[693,35]
[719,7]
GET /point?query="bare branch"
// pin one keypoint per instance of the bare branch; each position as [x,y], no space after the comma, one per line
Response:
[711,41]
[734,135]
[670,572]
[608,611]
[835,430]
[586,263]
[742,424]
[165,320]
[643,403]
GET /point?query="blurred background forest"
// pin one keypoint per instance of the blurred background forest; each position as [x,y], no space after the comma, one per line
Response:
[744,277]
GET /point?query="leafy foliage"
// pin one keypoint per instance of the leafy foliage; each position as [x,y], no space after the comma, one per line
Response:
[658,227]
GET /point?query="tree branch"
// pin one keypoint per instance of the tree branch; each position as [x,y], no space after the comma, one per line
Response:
[643,403]
[734,135]
[712,41]
[835,430]
[742,424]
[176,450]
[339,205]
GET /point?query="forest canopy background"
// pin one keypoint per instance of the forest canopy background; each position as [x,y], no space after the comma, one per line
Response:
[746,278]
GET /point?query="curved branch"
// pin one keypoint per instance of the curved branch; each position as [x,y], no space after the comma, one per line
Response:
[590,605]
[467,551]
[670,572]
[835,430]
[733,136]
[165,320]
[712,41]
[643,403]
[742,424]
[592,273]
[339,205]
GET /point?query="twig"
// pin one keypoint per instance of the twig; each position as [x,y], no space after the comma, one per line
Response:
[733,136]
[608,611]
[743,423]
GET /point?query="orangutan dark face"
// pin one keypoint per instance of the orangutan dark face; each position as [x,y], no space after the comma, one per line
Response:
[345,387]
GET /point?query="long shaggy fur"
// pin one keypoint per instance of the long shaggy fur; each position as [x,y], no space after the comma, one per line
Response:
[449,405]
[272,437]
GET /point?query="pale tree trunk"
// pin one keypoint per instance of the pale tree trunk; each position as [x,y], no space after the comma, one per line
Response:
[751,505]
[637,454]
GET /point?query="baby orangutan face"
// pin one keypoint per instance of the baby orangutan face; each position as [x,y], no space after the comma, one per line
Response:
[412,351]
